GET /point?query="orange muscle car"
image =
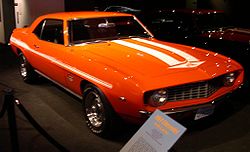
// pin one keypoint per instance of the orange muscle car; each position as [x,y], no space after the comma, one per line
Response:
[118,69]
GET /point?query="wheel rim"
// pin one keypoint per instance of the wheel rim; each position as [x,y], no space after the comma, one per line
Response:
[94,109]
[23,69]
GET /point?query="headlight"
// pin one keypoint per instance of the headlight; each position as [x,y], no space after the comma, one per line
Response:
[158,98]
[229,79]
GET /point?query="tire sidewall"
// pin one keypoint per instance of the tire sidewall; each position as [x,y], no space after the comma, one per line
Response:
[107,111]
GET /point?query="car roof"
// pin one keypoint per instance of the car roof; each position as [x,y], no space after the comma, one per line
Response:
[192,11]
[83,14]
[119,6]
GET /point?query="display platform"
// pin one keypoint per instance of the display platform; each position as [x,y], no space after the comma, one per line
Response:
[59,113]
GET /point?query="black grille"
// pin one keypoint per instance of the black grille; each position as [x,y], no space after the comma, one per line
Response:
[202,89]
[193,91]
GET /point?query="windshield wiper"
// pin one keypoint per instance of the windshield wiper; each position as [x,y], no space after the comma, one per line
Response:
[131,36]
[97,41]
[90,42]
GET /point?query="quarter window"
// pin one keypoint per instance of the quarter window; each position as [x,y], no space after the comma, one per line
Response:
[50,30]
[38,29]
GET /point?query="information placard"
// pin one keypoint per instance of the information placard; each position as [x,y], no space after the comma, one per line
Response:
[158,134]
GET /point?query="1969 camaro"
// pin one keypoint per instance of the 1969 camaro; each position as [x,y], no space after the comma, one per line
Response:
[118,69]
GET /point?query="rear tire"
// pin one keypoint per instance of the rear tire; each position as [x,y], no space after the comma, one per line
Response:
[26,70]
[99,115]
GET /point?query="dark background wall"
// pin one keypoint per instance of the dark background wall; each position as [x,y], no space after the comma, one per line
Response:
[77,5]
[237,11]
[9,20]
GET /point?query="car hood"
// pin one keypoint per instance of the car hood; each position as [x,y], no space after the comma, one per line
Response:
[152,59]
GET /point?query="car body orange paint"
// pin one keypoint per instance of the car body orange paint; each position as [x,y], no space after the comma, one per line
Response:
[120,70]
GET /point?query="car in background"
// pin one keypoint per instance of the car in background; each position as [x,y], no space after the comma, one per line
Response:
[233,42]
[122,9]
[208,29]
[112,62]
[198,27]
[181,25]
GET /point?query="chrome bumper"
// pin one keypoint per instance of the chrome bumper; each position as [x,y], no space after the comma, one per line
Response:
[189,108]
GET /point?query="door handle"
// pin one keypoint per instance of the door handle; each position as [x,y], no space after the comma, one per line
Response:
[70,77]
[36,46]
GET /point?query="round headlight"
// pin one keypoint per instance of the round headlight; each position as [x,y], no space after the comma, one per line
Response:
[158,98]
[229,79]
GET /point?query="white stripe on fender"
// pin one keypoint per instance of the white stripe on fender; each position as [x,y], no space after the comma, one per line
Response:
[169,48]
[159,55]
[66,66]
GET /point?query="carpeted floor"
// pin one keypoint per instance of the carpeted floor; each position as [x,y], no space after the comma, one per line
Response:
[59,114]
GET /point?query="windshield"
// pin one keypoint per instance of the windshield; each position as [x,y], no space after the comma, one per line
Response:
[108,28]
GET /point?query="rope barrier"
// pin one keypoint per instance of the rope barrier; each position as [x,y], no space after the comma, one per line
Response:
[3,110]
[38,127]
[9,106]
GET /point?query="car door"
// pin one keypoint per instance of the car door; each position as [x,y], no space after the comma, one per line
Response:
[49,49]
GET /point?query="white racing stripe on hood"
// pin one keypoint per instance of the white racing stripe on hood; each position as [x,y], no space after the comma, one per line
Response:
[159,55]
[169,48]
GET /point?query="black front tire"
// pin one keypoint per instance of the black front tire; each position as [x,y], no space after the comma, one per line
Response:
[26,70]
[98,113]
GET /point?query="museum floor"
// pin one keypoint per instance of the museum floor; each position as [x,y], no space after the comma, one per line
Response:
[59,114]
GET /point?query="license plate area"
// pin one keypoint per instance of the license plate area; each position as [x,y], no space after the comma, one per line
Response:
[204,112]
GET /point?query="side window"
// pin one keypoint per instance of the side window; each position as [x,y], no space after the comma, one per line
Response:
[52,31]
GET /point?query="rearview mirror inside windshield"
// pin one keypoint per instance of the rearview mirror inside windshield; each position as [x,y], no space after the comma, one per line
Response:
[106,25]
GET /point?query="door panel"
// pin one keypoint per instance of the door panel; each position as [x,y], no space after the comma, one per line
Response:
[50,61]
[47,41]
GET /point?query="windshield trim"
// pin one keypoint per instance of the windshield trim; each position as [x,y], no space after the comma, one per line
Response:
[147,33]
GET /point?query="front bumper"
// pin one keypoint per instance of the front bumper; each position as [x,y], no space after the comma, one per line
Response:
[194,108]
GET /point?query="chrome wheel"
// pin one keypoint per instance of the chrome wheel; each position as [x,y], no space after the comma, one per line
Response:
[97,111]
[23,69]
[94,109]
[26,70]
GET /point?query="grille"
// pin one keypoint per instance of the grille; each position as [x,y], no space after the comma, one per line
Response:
[193,91]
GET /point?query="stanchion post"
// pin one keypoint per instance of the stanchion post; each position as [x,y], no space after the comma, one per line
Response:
[9,104]
[9,99]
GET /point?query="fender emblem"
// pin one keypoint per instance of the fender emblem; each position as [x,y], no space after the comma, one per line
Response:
[189,64]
